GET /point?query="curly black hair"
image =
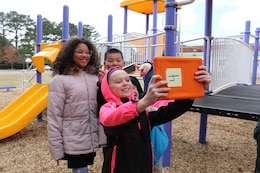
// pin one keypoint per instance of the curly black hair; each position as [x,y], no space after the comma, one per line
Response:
[64,63]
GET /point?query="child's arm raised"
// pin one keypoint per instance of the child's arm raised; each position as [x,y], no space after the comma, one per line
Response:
[154,91]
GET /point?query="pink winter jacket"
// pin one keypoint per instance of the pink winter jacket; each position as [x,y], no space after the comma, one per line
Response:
[116,115]
[72,115]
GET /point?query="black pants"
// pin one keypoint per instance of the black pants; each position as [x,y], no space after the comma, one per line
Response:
[79,161]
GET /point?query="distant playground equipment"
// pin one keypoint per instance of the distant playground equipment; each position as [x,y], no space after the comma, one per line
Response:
[7,88]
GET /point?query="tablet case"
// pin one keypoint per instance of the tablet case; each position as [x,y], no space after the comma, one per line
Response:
[179,73]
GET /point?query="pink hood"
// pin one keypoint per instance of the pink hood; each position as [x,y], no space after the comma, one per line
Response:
[114,112]
[106,91]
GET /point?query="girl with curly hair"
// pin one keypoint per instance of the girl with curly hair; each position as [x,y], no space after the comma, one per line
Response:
[72,105]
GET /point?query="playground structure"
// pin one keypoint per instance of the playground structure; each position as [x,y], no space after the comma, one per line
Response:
[140,51]
[33,101]
[225,58]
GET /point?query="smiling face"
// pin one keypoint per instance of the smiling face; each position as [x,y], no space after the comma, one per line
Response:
[120,84]
[114,59]
[81,55]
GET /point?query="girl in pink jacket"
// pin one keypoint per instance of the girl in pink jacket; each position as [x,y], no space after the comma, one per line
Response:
[127,124]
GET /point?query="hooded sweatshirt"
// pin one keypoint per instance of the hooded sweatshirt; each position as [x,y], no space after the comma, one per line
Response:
[128,132]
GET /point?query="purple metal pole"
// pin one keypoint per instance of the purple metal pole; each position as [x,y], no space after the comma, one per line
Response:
[254,76]
[80,29]
[125,20]
[247,32]
[65,24]
[155,11]
[147,24]
[38,32]
[110,30]
[208,33]
[38,41]
[170,28]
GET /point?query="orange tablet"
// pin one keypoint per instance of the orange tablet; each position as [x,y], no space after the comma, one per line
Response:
[179,73]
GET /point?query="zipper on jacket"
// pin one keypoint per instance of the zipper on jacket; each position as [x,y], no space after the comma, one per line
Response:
[90,132]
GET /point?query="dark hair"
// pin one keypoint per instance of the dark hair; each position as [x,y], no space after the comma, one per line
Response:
[64,63]
[112,71]
[113,50]
[136,83]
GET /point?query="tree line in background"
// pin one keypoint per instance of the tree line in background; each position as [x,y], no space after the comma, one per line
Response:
[18,35]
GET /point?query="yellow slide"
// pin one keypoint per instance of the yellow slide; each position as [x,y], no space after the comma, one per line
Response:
[23,110]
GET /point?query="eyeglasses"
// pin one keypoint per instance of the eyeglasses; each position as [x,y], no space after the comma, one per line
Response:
[81,52]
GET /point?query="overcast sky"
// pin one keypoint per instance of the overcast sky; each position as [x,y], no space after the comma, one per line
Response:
[229,16]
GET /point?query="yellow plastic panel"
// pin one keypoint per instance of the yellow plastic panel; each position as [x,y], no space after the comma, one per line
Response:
[49,51]
[23,110]
[143,6]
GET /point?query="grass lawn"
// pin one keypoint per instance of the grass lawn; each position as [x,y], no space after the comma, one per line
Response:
[16,78]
